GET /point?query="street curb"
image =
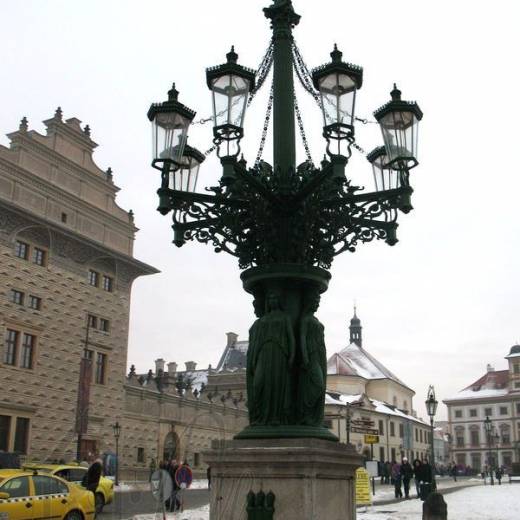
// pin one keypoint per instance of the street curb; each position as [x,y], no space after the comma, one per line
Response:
[445,491]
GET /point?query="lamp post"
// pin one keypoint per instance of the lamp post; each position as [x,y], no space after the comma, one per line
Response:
[488,426]
[431,407]
[117,432]
[284,222]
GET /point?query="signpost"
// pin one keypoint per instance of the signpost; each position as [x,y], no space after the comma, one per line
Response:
[161,486]
[363,497]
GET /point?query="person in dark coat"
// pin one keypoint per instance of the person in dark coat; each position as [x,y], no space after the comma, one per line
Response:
[396,477]
[208,475]
[406,474]
[174,499]
[91,479]
[418,475]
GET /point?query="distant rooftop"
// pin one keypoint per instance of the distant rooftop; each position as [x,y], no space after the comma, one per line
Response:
[494,383]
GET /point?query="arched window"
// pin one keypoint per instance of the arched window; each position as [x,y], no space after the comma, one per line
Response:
[171,446]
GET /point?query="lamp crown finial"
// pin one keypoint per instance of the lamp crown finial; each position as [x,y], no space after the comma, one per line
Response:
[24,124]
[336,54]
[232,56]
[173,93]
[58,114]
[396,93]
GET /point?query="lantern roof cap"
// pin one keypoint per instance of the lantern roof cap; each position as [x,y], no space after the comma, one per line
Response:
[376,153]
[231,67]
[190,151]
[398,105]
[171,105]
[337,66]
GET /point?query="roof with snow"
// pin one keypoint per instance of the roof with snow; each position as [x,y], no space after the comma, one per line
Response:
[234,356]
[377,406]
[492,384]
[353,360]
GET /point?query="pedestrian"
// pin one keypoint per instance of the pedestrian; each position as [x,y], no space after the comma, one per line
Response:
[174,499]
[396,478]
[418,475]
[388,470]
[406,471]
[454,471]
[152,466]
[91,479]
[208,475]
[498,475]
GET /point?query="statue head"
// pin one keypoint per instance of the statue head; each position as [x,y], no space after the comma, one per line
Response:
[313,301]
[272,301]
[259,306]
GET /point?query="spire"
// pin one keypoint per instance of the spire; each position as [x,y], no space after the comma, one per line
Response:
[355,329]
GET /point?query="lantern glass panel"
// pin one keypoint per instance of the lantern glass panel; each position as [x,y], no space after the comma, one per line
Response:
[185,178]
[169,132]
[229,100]
[338,96]
[400,133]
[385,178]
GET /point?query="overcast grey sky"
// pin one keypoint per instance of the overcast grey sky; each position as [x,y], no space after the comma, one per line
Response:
[438,306]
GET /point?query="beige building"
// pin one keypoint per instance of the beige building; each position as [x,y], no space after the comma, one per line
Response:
[66,267]
[495,395]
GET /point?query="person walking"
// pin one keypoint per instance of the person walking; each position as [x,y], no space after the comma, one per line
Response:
[498,475]
[174,499]
[406,474]
[91,480]
[388,470]
[396,477]
[418,475]
[453,471]
[208,476]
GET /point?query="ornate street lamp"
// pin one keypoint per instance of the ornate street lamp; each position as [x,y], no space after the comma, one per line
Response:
[117,432]
[431,407]
[230,85]
[488,427]
[399,122]
[283,221]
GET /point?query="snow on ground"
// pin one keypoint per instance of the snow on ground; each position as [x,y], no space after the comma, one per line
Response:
[475,503]
[193,514]
[145,486]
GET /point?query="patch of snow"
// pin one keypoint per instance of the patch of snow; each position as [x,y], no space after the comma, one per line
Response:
[472,394]
[201,513]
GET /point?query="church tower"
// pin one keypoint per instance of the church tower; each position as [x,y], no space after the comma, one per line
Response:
[355,330]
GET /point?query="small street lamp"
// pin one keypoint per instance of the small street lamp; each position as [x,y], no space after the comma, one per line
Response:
[117,432]
[431,407]
[488,426]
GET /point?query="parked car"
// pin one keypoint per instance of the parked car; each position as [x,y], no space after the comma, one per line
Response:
[26,495]
[77,474]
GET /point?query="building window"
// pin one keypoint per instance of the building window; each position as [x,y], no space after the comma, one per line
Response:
[21,250]
[88,354]
[35,302]
[517,384]
[327,423]
[461,459]
[93,278]
[381,428]
[140,454]
[488,412]
[503,410]
[16,297]
[459,440]
[416,435]
[516,368]
[38,256]
[11,346]
[518,408]
[64,218]
[458,414]
[392,429]
[506,439]
[104,325]
[5,427]
[474,436]
[21,435]
[393,453]
[473,412]
[101,361]
[92,321]
[381,454]
[401,430]
[420,435]
[27,351]
[196,459]
[108,283]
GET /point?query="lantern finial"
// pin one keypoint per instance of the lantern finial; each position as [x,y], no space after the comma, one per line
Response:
[336,54]
[232,56]
[173,93]
[396,93]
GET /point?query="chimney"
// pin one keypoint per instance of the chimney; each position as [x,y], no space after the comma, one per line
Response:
[190,366]
[159,365]
[490,368]
[172,368]
[231,339]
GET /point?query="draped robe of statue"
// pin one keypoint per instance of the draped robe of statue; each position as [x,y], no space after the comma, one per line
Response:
[313,375]
[269,360]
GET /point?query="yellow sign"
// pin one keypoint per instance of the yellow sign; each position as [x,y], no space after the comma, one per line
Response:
[371,439]
[363,494]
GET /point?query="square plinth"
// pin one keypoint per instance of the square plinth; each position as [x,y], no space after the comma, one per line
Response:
[312,479]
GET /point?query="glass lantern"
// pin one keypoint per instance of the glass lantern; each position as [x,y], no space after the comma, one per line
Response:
[230,85]
[338,83]
[170,123]
[385,178]
[431,403]
[399,122]
[186,176]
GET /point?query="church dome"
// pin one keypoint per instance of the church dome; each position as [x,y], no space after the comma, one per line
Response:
[515,349]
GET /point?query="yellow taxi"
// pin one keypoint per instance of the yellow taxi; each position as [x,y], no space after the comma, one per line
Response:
[76,474]
[28,495]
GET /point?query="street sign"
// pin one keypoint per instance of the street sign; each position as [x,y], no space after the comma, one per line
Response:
[372,468]
[161,485]
[368,431]
[366,423]
[371,439]
[184,477]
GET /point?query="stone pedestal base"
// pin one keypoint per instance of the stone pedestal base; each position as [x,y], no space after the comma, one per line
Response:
[312,479]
